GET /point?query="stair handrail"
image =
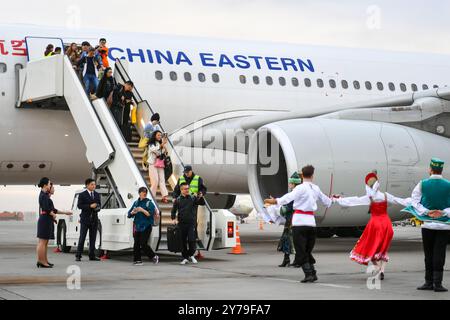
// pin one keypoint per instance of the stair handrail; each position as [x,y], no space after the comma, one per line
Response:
[138,98]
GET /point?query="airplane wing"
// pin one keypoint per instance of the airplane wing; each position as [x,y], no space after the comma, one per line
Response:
[415,107]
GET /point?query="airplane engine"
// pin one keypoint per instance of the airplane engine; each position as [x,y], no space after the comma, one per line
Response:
[342,152]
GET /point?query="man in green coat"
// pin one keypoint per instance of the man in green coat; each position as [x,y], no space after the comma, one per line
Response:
[431,202]
[286,244]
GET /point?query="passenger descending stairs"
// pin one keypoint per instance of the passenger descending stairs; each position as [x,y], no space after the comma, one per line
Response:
[164,207]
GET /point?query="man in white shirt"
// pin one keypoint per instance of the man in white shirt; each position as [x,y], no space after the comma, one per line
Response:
[305,197]
[431,202]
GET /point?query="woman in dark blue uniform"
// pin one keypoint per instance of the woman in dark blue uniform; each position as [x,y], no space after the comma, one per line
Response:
[46,222]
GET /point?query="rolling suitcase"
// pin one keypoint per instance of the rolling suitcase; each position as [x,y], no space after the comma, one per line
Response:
[174,243]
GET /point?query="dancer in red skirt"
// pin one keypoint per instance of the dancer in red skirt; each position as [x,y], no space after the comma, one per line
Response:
[373,246]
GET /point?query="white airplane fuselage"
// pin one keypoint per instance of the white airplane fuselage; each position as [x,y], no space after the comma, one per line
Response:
[50,137]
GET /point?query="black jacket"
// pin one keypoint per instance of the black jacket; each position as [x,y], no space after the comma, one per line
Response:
[187,209]
[105,87]
[201,186]
[88,215]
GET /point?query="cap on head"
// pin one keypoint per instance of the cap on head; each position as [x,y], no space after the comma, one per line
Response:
[295,178]
[187,169]
[437,164]
[370,179]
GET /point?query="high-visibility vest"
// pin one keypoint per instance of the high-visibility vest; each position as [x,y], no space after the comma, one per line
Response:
[193,186]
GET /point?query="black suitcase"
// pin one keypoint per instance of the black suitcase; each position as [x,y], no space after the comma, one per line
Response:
[174,243]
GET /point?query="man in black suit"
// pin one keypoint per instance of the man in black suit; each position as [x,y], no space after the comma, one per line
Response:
[89,203]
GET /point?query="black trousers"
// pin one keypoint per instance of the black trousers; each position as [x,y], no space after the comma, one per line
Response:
[434,247]
[141,243]
[188,238]
[304,240]
[84,228]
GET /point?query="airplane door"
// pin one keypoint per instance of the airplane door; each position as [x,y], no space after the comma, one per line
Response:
[402,155]
[36,46]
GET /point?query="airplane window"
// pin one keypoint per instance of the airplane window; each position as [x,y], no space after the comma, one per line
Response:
[269,80]
[380,86]
[391,86]
[242,79]
[3,67]
[403,87]
[424,87]
[308,82]
[320,83]
[201,77]
[368,85]
[344,84]
[414,87]
[255,79]
[435,86]
[158,75]
[215,78]
[295,82]
[18,66]
[332,83]
[187,76]
[282,81]
[173,76]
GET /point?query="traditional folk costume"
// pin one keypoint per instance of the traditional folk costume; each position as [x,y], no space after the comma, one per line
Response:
[374,243]
[304,198]
[433,194]
[286,244]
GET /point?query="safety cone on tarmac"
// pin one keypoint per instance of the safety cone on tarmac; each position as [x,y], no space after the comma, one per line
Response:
[237,249]
[105,255]
[199,255]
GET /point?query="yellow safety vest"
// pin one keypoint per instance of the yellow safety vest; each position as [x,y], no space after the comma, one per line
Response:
[193,186]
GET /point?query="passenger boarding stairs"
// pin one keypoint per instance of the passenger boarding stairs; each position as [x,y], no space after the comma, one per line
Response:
[114,160]
[144,113]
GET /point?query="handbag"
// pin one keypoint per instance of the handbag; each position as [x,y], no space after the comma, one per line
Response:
[168,170]
[143,143]
[134,115]
[159,163]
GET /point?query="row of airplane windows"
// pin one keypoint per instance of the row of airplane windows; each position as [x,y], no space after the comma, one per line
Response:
[295,82]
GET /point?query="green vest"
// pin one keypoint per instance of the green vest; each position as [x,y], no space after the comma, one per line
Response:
[435,194]
[193,186]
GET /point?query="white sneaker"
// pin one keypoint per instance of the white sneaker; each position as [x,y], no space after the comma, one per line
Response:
[155,259]
[185,261]
[138,263]
[193,260]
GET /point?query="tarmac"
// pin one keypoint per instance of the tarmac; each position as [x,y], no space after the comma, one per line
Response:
[220,275]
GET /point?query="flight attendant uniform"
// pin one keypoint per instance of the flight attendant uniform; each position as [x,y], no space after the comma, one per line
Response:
[374,243]
[45,225]
[433,194]
[305,197]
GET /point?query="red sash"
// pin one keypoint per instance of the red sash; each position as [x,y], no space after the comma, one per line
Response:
[310,213]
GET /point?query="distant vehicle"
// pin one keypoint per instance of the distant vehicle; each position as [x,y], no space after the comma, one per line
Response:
[18,216]
[415,222]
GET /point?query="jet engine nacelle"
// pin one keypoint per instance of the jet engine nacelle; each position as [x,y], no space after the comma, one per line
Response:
[342,152]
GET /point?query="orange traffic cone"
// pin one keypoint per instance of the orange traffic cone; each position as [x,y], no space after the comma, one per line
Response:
[105,255]
[237,249]
[199,255]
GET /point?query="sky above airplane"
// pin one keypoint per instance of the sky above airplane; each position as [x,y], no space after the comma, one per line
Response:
[415,25]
